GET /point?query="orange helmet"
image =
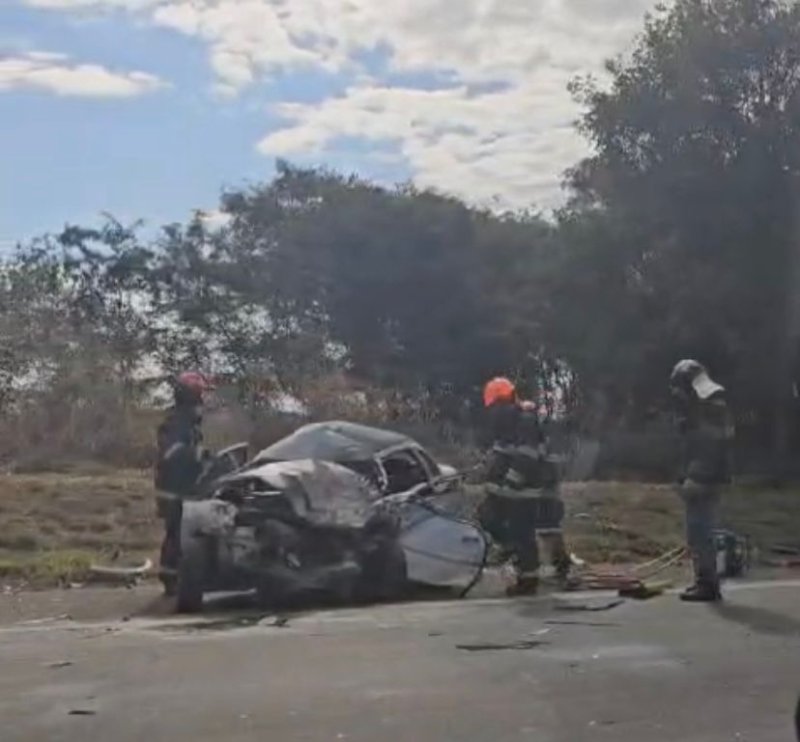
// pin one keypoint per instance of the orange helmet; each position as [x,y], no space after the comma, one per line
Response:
[499,389]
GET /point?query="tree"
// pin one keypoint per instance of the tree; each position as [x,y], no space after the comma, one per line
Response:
[406,289]
[696,176]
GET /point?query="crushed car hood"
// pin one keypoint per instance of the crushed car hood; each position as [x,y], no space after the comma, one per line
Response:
[322,492]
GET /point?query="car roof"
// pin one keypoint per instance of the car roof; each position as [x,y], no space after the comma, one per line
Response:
[335,441]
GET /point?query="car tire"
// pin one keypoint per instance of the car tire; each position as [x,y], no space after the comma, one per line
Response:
[170,585]
[385,575]
[271,592]
[192,573]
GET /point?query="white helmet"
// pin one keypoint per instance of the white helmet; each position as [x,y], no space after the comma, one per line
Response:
[691,373]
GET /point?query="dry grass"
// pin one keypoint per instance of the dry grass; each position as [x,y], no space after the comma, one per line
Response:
[621,522]
[45,570]
[55,525]
[624,522]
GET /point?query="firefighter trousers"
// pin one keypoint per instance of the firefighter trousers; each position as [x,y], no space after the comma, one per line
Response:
[701,502]
[513,522]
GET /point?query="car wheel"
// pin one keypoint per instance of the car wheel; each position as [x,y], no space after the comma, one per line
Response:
[271,592]
[385,574]
[170,585]
[192,570]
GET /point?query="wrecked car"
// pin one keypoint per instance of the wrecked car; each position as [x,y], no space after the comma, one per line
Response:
[327,515]
[442,550]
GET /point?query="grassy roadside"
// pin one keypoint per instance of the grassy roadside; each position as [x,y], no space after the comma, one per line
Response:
[53,526]
[628,522]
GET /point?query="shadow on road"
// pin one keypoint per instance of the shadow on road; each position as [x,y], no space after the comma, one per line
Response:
[232,610]
[759,620]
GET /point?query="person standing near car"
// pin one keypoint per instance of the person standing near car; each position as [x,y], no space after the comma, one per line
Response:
[522,486]
[706,427]
[181,460]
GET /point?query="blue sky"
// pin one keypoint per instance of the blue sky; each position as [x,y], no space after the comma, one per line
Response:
[148,108]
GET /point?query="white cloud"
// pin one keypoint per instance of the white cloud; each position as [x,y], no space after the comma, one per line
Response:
[214,219]
[512,143]
[56,73]
[99,4]
[505,147]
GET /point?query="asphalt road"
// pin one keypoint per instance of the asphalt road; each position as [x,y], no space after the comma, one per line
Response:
[474,671]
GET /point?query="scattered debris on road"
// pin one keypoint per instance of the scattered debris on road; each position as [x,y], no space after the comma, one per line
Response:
[582,623]
[47,619]
[646,590]
[127,576]
[521,644]
[786,549]
[592,606]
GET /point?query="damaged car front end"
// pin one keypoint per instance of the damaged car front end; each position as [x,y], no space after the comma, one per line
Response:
[291,529]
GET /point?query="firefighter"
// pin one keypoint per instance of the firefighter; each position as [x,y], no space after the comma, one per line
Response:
[706,427]
[522,487]
[181,461]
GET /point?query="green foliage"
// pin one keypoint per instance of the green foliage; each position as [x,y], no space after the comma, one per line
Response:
[693,192]
[679,240]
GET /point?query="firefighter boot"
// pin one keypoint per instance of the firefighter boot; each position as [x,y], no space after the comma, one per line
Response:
[524,585]
[702,592]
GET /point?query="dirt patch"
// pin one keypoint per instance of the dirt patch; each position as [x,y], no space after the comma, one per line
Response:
[85,604]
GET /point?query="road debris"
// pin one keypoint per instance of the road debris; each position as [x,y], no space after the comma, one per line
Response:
[59,665]
[107,631]
[48,619]
[82,712]
[645,590]
[576,561]
[592,606]
[520,644]
[785,550]
[128,576]
[582,623]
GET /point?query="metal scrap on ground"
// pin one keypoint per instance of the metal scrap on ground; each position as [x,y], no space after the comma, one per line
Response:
[593,606]
[521,644]
[125,575]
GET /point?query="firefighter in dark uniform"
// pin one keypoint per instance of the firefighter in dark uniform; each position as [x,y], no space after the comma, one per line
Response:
[705,424]
[181,462]
[522,487]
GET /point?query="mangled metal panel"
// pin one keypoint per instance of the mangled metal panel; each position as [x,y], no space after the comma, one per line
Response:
[440,550]
[322,492]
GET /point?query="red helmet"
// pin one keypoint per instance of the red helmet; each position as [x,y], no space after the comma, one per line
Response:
[497,390]
[193,383]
